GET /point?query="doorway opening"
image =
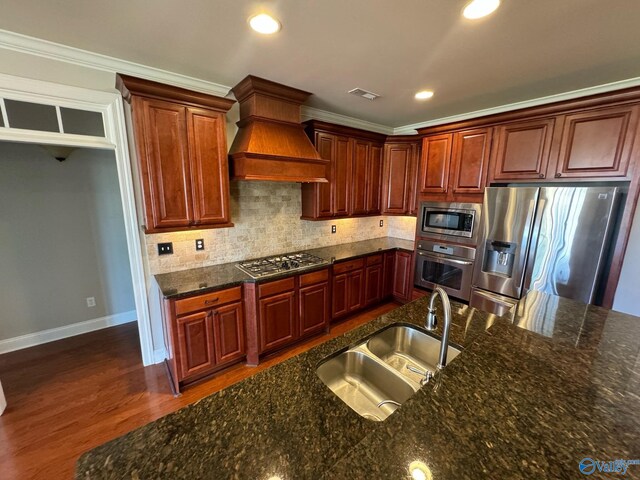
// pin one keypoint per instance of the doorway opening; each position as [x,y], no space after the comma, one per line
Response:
[64,264]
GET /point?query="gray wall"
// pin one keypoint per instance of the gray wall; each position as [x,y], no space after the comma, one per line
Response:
[627,297]
[62,239]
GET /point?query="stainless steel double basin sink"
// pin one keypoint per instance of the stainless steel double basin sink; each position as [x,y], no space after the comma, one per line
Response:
[380,373]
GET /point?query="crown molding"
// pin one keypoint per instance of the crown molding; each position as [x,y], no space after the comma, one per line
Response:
[56,51]
[311,113]
[573,94]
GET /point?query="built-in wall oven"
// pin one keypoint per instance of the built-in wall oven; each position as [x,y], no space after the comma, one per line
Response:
[445,265]
[454,222]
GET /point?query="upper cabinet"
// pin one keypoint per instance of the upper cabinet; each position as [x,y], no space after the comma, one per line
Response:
[522,150]
[434,163]
[355,173]
[470,160]
[453,166]
[597,143]
[399,177]
[181,155]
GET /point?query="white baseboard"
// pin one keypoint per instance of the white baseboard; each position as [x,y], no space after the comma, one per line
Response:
[44,336]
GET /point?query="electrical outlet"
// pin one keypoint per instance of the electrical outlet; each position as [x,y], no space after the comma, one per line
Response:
[381,223]
[200,244]
[165,248]
[91,302]
[333,229]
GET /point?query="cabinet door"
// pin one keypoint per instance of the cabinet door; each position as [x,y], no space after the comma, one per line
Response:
[209,166]
[402,276]
[470,160]
[388,274]
[277,320]
[374,177]
[313,308]
[373,283]
[228,332]
[359,166]
[522,150]
[161,133]
[341,174]
[396,181]
[339,295]
[195,344]
[597,143]
[355,290]
[434,163]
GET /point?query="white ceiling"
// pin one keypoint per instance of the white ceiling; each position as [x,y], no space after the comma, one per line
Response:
[526,49]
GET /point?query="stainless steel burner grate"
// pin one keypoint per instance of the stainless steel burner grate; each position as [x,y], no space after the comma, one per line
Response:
[264,267]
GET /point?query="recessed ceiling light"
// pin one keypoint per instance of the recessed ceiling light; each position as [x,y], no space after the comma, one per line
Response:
[265,24]
[424,94]
[480,8]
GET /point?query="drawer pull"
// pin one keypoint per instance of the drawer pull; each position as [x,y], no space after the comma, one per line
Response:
[211,302]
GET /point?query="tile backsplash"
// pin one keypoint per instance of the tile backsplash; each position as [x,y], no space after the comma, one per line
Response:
[267,222]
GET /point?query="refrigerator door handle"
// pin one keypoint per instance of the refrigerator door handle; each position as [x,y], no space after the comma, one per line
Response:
[535,237]
[520,270]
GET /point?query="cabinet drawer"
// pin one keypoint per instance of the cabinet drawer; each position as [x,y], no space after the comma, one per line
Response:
[374,259]
[314,277]
[279,286]
[208,300]
[348,266]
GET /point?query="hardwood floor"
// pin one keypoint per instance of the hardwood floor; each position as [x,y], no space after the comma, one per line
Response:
[69,396]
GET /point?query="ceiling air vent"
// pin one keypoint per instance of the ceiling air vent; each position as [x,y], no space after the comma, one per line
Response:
[364,93]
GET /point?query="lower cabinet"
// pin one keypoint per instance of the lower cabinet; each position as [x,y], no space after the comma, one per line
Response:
[347,290]
[402,278]
[281,312]
[277,320]
[203,334]
[373,280]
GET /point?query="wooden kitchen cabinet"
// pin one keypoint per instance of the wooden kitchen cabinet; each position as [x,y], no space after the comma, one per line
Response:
[203,334]
[399,178]
[470,161]
[347,287]
[435,161]
[373,279]
[228,329]
[388,273]
[281,312]
[402,280]
[277,314]
[521,150]
[195,344]
[181,153]
[597,143]
[314,303]
[355,173]
[454,166]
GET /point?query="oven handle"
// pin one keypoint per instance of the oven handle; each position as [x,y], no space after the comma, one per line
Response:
[446,259]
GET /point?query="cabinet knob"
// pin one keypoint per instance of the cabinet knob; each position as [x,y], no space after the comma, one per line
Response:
[541,175]
[211,302]
[558,175]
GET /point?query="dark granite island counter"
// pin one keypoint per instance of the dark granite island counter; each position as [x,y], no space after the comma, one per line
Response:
[530,396]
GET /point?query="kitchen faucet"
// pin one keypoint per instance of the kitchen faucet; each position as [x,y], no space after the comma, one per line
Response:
[432,321]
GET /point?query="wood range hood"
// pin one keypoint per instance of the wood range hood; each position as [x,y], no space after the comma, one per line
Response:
[271,143]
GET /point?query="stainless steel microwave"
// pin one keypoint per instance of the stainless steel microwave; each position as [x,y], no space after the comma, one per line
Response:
[450,221]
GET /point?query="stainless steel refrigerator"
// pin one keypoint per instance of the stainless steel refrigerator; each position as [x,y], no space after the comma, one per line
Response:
[551,239]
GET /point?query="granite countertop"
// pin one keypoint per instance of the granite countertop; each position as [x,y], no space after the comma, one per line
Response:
[200,280]
[530,396]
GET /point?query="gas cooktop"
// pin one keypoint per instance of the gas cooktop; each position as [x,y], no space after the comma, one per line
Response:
[267,266]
